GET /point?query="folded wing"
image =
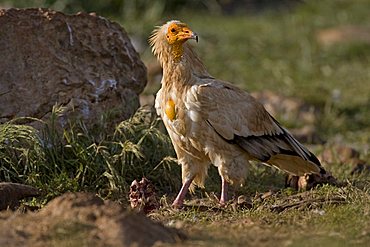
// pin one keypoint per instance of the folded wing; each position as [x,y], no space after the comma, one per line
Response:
[241,120]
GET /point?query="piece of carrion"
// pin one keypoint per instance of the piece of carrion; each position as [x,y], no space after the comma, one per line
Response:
[143,196]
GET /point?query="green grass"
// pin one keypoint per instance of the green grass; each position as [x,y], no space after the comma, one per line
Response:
[73,159]
[279,51]
[323,224]
[276,51]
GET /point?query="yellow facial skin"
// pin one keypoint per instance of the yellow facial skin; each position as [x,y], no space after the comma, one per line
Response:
[170,110]
[177,34]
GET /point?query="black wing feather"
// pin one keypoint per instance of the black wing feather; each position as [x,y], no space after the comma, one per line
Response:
[263,147]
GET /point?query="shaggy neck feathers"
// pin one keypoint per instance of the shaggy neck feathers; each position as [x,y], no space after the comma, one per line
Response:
[177,51]
[178,59]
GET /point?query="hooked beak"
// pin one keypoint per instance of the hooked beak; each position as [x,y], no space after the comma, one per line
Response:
[188,34]
[194,36]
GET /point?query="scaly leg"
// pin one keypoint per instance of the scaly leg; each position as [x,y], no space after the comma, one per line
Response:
[179,201]
[224,189]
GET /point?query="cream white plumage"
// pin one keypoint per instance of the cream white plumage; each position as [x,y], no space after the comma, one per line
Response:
[213,122]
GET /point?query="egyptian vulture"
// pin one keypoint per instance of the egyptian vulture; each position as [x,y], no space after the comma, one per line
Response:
[211,121]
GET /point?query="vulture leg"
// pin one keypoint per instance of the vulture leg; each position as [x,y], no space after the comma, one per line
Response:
[181,196]
[224,189]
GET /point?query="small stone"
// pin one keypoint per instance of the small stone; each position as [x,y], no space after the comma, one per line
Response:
[12,193]
[343,34]
[309,181]
[244,202]
[266,195]
[360,166]
[341,154]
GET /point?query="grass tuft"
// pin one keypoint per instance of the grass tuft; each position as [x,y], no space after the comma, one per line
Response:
[73,160]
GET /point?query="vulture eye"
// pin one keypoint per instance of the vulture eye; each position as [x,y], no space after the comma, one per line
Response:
[173,30]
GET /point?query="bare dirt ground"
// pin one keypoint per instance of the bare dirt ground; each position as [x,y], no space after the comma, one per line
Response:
[324,216]
[82,219]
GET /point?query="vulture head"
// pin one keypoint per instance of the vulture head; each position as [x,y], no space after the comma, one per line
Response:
[169,39]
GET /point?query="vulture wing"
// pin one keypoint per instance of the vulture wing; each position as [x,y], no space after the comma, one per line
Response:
[241,120]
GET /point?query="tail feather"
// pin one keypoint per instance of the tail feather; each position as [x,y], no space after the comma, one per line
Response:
[305,153]
[282,151]
[294,165]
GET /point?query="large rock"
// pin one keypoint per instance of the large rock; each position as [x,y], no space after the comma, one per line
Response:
[83,62]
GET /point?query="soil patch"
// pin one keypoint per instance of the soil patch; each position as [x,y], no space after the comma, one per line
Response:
[76,219]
